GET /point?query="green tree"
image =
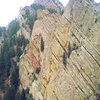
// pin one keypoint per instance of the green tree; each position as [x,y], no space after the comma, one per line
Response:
[42,44]
[61,12]
[18,96]
[14,79]
[38,70]
[18,51]
[64,59]
[23,96]
[13,27]
[36,7]
[69,49]
[30,97]
[10,94]
[12,52]
[0,31]
[27,90]
[52,10]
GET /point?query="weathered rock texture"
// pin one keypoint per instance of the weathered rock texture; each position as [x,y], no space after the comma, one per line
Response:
[53,4]
[80,78]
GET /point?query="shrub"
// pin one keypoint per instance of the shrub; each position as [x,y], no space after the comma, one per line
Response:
[42,44]
[64,59]
[81,25]
[36,7]
[61,12]
[69,50]
[34,78]
[27,90]
[73,34]
[38,70]
[52,11]
[30,97]
[96,20]
[74,46]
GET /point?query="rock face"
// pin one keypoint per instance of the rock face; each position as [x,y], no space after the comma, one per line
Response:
[79,27]
[53,4]
[22,19]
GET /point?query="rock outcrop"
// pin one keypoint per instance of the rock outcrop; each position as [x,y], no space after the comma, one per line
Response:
[53,4]
[79,79]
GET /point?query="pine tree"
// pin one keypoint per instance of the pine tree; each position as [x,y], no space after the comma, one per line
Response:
[14,79]
[64,59]
[10,94]
[23,96]
[38,70]
[69,50]
[42,44]
[18,96]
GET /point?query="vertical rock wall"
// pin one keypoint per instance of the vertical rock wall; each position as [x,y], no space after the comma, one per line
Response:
[80,78]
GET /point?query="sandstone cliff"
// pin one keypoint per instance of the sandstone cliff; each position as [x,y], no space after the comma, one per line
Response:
[79,80]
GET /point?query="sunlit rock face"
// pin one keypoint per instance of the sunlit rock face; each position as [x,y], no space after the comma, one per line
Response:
[79,80]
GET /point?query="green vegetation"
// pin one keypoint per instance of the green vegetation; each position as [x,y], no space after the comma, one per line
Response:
[99,86]
[64,59]
[96,20]
[0,98]
[38,70]
[80,1]
[27,90]
[18,96]
[30,18]
[52,11]
[61,12]
[81,25]
[34,78]
[15,78]
[75,46]
[73,34]
[23,25]
[42,44]
[36,7]
[23,96]
[69,49]
[12,48]
[10,94]
[13,27]
[2,31]
[30,97]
